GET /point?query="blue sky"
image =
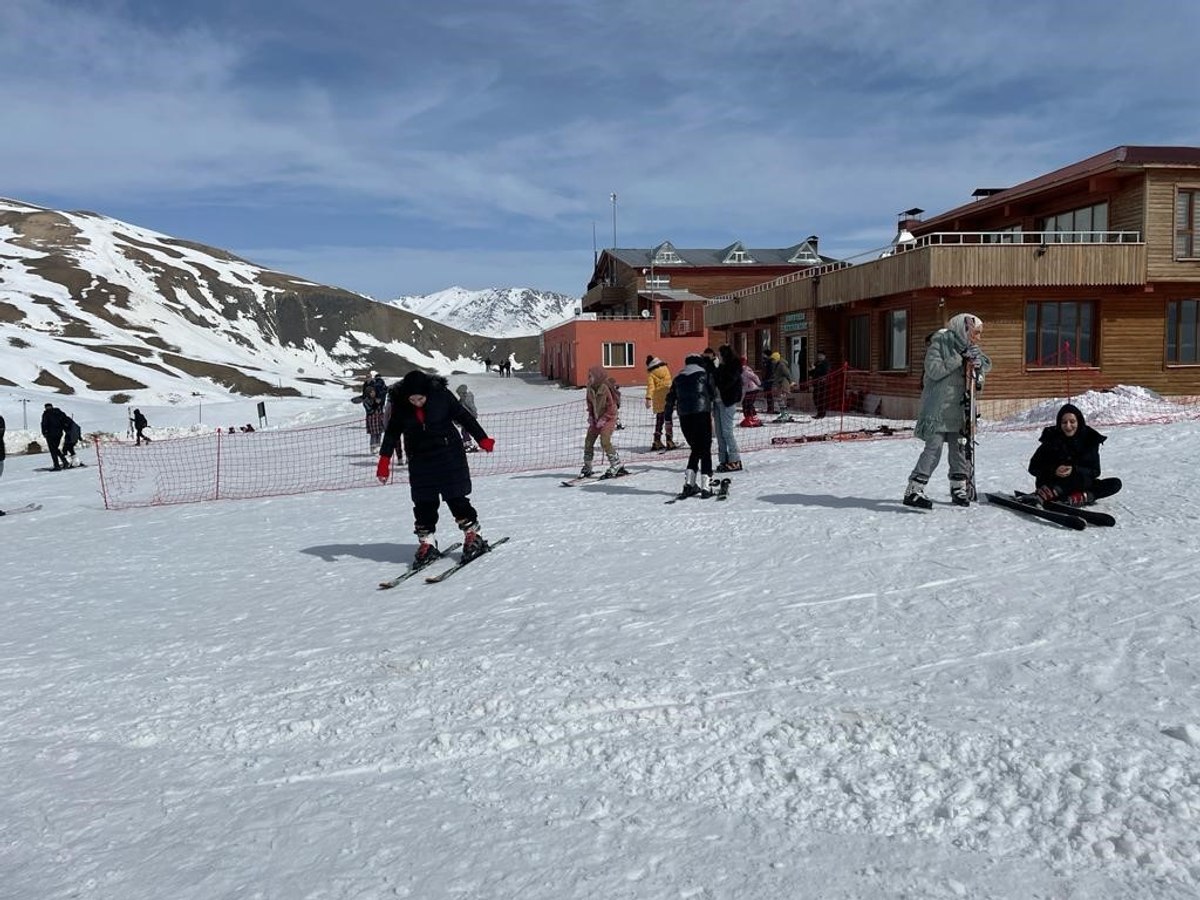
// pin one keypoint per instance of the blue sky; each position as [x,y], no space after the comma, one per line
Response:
[393,147]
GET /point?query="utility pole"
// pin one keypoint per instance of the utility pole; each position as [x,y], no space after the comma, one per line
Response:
[613,198]
[24,415]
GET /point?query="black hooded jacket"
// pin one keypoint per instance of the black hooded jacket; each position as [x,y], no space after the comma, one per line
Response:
[437,460]
[1081,452]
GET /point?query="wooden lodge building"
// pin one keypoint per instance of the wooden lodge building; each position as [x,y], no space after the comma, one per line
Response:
[1088,276]
[652,302]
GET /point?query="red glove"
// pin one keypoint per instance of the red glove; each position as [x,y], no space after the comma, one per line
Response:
[487,444]
[383,469]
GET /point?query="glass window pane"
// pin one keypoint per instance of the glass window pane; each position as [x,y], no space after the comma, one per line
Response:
[1086,351]
[1173,332]
[1049,335]
[1031,354]
[1187,331]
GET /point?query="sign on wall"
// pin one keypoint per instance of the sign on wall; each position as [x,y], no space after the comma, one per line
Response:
[795,321]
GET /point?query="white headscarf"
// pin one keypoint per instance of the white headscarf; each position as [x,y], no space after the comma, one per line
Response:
[962,324]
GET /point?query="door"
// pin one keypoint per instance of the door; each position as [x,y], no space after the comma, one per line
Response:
[798,357]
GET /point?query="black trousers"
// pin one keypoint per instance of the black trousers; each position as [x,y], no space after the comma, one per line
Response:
[698,432]
[425,513]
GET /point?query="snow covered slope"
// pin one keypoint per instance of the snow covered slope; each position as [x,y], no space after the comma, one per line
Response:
[500,312]
[808,691]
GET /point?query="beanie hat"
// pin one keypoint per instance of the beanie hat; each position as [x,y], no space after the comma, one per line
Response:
[415,382]
[775,357]
[461,389]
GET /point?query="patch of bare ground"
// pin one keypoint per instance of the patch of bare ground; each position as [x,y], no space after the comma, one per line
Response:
[98,379]
[45,379]
[229,377]
[10,314]
[4,381]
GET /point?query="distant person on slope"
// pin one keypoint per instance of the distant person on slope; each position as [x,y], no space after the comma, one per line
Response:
[951,352]
[72,435]
[139,426]
[425,413]
[467,399]
[727,377]
[658,383]
[1066,464]
[751,385]
[602,411]
[1,445]
[693,393]
[54,423]
[374,395]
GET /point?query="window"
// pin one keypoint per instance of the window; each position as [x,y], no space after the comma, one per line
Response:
[859,351]
[1183,332]
[618,355]
[664,254]
[1187,224]
[737,254]
[1078,225]
[1009,235]
[895,340]
[658,280]
[1060,333]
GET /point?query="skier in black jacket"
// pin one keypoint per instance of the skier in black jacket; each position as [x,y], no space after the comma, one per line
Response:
[694,392]
[1066,464]
[54,423]
[427,415]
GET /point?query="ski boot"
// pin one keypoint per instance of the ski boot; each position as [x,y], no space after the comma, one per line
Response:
[914,495]
[657,444]
[474,545]
[671,445]
[705,487]
[615,471]
[427,551]
[960,495]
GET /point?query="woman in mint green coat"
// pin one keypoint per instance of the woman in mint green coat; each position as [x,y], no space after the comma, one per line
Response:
[941,417]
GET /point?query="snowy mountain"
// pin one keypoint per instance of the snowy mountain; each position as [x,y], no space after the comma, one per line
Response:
[498,312]
[89,304]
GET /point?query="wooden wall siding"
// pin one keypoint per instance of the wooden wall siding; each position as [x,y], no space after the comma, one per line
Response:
[1127,207]
[1011,265]
[1160,226]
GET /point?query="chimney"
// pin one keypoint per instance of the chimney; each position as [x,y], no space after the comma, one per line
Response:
[909,219]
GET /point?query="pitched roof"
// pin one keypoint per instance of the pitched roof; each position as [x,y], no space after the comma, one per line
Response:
[639,257]
[1123,157]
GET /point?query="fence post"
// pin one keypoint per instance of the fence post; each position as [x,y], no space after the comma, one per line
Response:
[217,486]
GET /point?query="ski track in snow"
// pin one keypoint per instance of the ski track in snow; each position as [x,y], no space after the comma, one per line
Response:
[810,690]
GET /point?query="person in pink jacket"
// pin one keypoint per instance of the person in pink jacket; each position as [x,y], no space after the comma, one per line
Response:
[602,408]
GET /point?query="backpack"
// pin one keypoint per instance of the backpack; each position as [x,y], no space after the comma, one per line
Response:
[616,391]
[74,432]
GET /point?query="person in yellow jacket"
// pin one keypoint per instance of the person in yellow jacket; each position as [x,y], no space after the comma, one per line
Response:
[658,383]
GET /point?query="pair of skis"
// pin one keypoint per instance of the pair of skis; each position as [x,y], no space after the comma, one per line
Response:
[1063,514]
[967,437]
[589,479]
[445,573]
[27,508]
